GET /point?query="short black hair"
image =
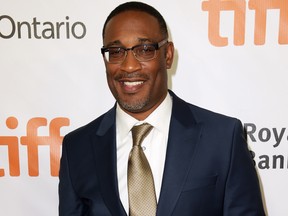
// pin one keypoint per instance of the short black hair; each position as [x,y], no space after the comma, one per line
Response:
[138,6]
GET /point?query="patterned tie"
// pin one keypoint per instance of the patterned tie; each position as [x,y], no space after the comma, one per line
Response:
[142,197]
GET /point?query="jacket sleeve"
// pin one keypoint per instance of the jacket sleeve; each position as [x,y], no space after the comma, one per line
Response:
[69,203]
[242,192]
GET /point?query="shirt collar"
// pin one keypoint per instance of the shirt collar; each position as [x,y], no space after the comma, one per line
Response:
[124,122]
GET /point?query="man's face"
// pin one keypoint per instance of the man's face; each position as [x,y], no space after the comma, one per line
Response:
[139,87]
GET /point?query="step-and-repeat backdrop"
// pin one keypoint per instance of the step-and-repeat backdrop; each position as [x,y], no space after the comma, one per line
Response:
[231,57]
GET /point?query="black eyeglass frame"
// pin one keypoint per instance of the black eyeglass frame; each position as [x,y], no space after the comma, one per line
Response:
[157,46]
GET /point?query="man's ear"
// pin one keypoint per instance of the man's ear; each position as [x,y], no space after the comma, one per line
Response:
[169,55]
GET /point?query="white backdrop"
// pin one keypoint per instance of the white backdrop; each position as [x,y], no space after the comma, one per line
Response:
[53,81]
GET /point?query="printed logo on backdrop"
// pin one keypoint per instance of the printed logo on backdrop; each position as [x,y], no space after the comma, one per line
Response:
[275,141]
[31,141]
[39,29]
[275,138]
[260,8]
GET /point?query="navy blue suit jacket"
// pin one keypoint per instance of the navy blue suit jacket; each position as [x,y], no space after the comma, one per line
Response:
[208,168]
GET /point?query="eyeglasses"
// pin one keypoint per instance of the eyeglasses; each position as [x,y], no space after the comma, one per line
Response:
[142,52]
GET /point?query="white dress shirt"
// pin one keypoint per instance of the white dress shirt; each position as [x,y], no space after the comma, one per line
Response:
[154,145]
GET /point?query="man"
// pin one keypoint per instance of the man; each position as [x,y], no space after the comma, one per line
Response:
[199,159]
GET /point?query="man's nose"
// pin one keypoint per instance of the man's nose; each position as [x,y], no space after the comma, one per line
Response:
[130,64]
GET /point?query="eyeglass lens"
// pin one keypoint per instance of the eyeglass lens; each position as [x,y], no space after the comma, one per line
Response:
[143,52]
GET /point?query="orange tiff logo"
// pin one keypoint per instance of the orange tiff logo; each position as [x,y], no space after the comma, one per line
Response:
[32,141]
[214,7]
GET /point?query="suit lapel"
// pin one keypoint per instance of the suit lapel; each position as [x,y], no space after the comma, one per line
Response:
[184,134]
[179,156]
[105,155]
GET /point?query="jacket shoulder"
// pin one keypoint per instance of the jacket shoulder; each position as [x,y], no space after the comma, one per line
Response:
[202,114]
[187,112]
[90,128]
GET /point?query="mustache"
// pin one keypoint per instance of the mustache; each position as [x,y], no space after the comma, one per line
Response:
[125,75]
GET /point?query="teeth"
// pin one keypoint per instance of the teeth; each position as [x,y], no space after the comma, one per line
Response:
[133,83]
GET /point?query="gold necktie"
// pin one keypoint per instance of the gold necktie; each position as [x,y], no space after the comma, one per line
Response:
[142,197]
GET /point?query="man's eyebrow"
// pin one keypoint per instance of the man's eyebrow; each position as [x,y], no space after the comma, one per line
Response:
[140,40]
[145,40]
[116,42]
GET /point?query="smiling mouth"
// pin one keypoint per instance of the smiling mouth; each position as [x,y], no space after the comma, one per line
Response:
[131,84]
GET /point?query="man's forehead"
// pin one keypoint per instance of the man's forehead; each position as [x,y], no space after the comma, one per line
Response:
[130,41]
[132,26]
[131,18]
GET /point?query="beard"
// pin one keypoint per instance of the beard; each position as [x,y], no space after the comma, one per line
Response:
[135,106]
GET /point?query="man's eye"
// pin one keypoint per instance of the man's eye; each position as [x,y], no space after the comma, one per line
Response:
[115,52]
[148,49]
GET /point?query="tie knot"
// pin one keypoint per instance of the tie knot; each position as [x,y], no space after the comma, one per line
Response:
[139,132]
